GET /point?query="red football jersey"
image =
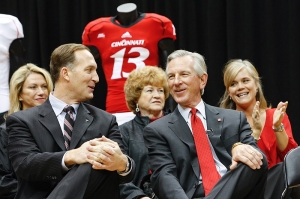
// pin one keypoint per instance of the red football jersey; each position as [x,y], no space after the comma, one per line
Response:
[123,49]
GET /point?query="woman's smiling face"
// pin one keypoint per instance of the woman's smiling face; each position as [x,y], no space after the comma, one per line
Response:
[243,89]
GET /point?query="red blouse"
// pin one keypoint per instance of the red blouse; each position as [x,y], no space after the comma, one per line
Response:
[267,142]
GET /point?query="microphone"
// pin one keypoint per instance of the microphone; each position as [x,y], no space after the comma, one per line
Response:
[210,132]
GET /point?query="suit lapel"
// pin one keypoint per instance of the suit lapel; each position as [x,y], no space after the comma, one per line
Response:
[179,126]
[215,123]
[49,120]
[82,122]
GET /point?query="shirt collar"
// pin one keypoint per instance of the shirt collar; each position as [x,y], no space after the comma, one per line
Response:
[185,112]
[59,105]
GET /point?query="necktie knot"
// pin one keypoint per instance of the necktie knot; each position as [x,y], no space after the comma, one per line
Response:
[193,111]
[69,109]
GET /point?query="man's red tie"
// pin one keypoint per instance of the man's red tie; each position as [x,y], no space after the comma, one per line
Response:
[210,175]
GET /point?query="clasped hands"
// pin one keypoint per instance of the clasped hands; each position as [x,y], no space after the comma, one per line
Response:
[101,153]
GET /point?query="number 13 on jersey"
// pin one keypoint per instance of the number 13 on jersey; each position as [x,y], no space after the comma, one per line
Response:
[119,56]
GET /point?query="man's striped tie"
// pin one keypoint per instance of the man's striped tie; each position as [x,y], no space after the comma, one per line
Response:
[68,125]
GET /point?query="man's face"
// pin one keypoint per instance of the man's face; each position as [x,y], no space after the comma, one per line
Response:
[184,83]
[83,77]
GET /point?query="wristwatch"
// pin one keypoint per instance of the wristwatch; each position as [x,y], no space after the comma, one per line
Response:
[128,166]
[279,129]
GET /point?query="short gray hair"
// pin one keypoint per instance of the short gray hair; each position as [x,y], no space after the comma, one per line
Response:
[198,62]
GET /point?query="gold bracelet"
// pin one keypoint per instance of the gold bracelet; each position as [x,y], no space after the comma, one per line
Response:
[236,144]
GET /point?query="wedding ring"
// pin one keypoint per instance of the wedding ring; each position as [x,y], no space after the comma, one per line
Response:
[252,152]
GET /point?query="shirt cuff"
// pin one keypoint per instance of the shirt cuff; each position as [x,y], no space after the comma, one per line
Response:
[127,171]
[64,167]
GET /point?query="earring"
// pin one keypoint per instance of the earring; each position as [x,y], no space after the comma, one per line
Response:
[137,108]
[230,97]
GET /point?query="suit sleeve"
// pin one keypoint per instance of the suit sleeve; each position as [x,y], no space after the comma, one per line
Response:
[8,182]
[236,129]
[245,131]
[27,160]
[164,178]
[245,135]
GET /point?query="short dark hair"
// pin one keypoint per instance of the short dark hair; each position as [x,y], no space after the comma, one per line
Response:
[63,56]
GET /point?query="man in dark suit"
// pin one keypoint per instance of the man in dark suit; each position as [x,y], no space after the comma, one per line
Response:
[173,156]
[47,165]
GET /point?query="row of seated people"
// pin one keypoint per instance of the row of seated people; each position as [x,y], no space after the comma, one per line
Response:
[168,140]
[166,144]
[37,145]
[242,146]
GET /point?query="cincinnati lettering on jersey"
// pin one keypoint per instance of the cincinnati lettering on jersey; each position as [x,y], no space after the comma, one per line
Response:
[125,42]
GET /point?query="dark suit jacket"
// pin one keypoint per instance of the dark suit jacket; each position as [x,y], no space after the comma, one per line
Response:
[172,152]
[36,145]
[8,180]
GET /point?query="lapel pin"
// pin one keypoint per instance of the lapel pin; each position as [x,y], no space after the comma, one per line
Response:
[219,119]
[86,120]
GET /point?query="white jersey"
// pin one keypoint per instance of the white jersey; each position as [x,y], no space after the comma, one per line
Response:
[10,29]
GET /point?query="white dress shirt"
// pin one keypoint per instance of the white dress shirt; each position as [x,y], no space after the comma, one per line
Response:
[58,107]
